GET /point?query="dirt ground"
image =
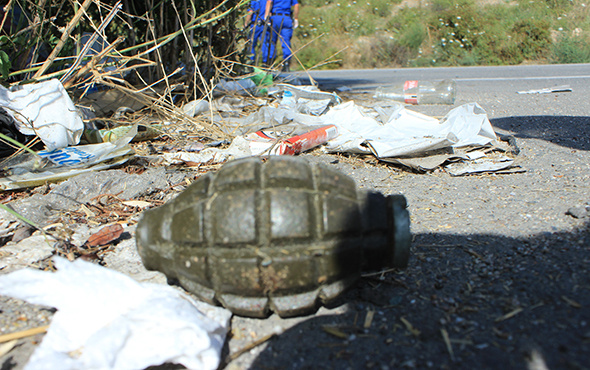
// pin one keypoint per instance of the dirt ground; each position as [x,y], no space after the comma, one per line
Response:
[498,276]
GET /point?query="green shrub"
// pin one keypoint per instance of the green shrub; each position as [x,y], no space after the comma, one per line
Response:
[380,8]
[571,50]
[421,61]
[316,3]
[532,37]
[413,36]
[404,18]
[558,4]
[387,52]
[321,54]
[442,5]
[457,31]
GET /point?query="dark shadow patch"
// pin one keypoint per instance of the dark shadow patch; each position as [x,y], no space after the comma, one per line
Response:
[568,131]
[8,364]
[495,297]
[331,84]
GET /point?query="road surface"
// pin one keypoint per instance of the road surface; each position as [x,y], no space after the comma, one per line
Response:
[494,88]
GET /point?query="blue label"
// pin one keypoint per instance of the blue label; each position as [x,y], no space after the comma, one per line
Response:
[67,156]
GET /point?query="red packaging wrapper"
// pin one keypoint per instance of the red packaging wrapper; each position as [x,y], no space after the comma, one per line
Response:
[306,141]
[261,141]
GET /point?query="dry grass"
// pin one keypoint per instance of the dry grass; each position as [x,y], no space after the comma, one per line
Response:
[160,69]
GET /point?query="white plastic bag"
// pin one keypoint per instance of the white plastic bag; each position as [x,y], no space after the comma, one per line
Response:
[46,109]
[106,320]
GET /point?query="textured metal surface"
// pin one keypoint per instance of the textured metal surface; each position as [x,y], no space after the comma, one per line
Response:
[278,235]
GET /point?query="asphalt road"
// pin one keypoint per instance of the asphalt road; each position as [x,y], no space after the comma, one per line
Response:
[494,88]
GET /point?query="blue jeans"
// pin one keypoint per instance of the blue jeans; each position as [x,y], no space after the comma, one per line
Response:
[282,26]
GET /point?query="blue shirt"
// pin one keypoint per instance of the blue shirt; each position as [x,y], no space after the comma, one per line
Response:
[282,6]
[258,7]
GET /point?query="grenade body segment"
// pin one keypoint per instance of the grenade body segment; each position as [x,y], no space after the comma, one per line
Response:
[278,235]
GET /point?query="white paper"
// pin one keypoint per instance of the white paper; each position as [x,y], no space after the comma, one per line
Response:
[406,132]
[547,90]
[238,148]
[106,320]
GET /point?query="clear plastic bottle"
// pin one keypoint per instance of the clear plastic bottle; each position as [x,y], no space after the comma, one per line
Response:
[419,92]
[288,100]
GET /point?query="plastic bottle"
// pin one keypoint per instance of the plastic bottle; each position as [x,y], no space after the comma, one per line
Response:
[288,100]
[419,92]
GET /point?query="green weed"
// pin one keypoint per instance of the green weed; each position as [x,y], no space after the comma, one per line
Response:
[532,37]
[380,8]
[316,56]
[570,49]
[413,36]
[386,52]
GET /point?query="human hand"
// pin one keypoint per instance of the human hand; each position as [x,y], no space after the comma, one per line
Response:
[295,23]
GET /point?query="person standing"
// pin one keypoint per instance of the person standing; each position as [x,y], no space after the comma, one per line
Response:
[255,20]
[284,16]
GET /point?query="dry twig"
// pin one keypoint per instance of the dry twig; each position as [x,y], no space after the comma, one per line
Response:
[23,333]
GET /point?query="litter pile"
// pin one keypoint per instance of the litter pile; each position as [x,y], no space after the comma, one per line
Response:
[294,119]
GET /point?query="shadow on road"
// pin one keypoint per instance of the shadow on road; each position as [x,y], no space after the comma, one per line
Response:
[567,131]
[495,298]
[331,84]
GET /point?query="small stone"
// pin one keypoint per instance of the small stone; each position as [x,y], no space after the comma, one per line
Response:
[22,233]
[577,212]
[194,147]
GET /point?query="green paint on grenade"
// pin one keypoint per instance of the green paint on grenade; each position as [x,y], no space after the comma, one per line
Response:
[276,235]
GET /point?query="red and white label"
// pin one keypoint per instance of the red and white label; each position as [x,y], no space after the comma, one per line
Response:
[261,141]
[306,141]
[411,98]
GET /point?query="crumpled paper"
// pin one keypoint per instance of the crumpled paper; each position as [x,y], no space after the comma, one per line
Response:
[407,133]
[106,320]
[239,148]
